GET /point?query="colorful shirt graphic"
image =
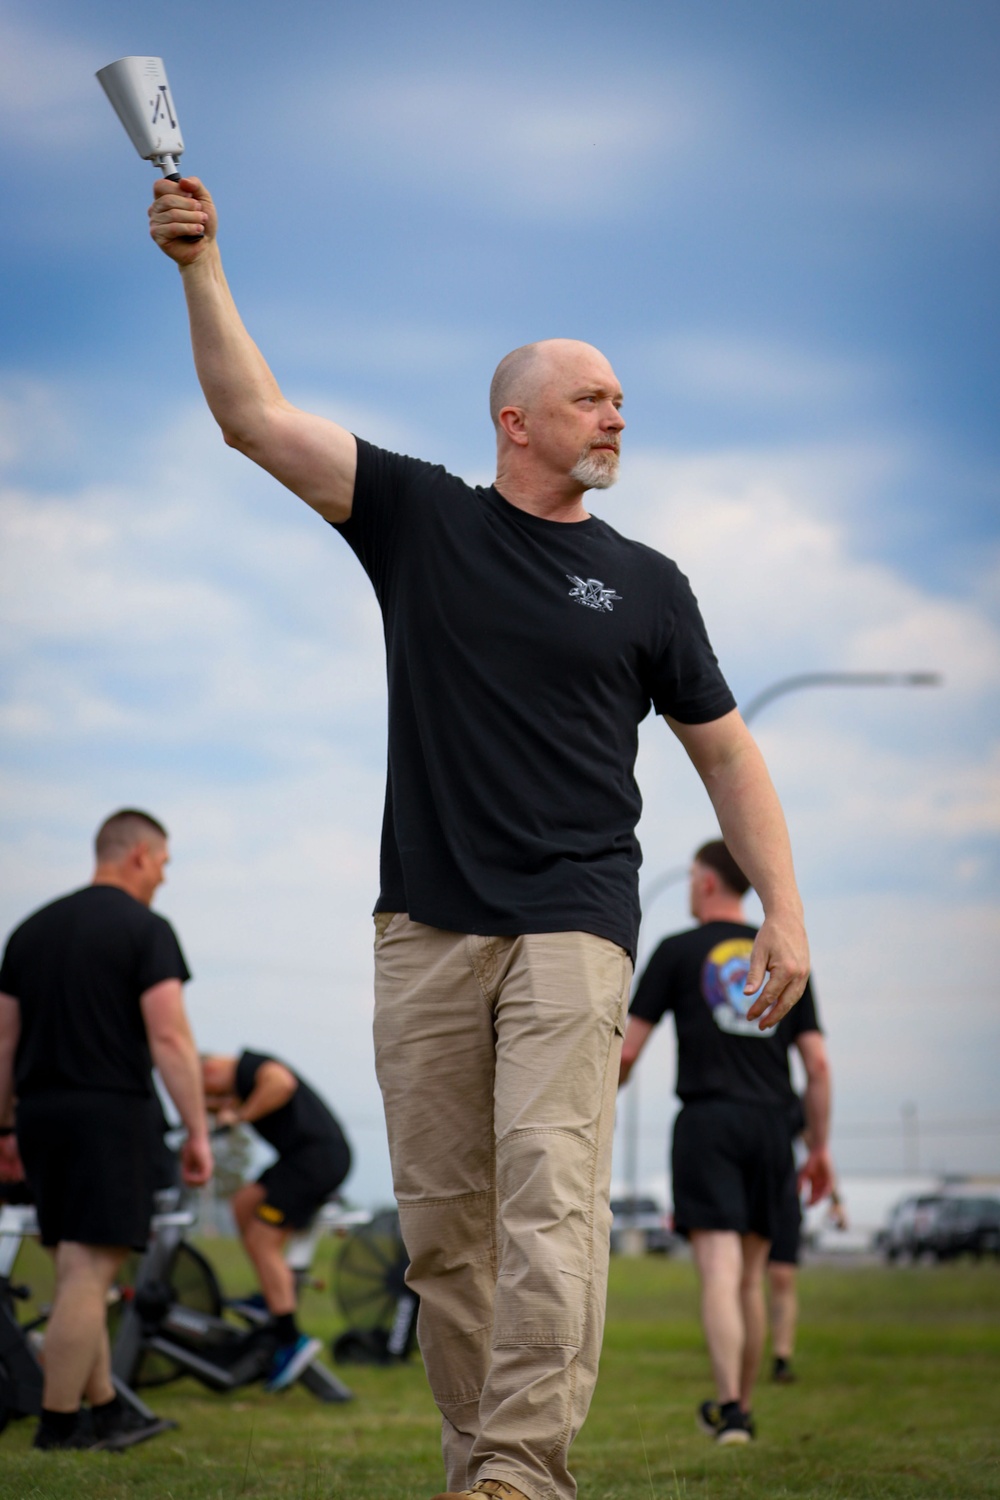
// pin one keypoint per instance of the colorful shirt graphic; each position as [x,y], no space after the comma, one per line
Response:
[723,975]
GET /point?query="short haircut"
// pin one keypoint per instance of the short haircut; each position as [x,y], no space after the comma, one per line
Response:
[717,857]
[123,830]
[514,380]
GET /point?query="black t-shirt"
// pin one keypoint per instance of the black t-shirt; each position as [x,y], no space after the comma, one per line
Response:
[522,655]
[304,1121]
[700,975]
[78,968]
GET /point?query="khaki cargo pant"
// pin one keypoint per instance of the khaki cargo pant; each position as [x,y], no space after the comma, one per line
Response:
[498,1064]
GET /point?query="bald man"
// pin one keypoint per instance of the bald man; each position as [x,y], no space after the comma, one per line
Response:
[525,641]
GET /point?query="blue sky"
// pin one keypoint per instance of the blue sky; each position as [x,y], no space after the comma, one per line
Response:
[780,223]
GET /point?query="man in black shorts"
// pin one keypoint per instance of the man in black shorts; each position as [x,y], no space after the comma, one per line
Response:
[525,641]
[732,1162]
[313,1160]
[90,998]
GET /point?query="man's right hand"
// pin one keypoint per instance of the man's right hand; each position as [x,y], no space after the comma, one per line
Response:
[182,219]
[196,1161]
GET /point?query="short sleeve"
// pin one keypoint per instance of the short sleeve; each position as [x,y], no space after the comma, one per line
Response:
[686,680]
[654,993]
[161,957]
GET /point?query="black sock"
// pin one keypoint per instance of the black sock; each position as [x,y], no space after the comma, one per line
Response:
[59,1424]
[286,1328]
[729,1409]
[106,1414]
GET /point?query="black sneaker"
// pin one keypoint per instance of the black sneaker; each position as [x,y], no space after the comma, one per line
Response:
[734,1427]
[81,1436]
[123,1427]
[709,1417]
[782,1373]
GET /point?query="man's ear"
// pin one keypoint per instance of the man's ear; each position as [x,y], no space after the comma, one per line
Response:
[512,422]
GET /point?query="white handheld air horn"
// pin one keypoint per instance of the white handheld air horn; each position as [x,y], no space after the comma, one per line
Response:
[140,96]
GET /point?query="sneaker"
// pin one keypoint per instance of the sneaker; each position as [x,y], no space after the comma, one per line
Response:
[82,1436]
[709,1417]
[734,1427]
[496,1488]
[124,1427]
[782,1373]
[288,1362]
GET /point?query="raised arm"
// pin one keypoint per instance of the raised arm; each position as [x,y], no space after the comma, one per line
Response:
[315,458]
[726,757]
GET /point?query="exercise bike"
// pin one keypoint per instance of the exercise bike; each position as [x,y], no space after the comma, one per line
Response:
[170,1318]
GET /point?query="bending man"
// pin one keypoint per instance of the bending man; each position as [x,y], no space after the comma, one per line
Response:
[313,1160]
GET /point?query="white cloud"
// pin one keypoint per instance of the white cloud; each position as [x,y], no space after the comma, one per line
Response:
[757,374]
[513,143]
[48,93]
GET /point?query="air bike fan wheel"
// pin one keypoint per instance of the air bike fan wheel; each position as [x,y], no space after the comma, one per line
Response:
[370,1288]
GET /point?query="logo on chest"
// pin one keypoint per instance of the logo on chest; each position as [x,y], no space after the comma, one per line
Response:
[591,593]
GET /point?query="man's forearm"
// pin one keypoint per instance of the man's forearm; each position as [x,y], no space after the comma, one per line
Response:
[753,825]
[176,1060]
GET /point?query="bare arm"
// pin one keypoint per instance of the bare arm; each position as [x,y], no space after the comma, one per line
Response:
[273,1086]
[726,757]
[175,1056]
[817,1171]
[10,1031]
[315,458]
[637,1034]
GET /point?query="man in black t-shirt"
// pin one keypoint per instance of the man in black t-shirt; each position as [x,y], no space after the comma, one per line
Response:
[91,997]
[733,1170]
[525,641]
[313,1160]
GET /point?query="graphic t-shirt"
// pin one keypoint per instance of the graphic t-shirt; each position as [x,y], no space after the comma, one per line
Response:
[78,968]
[522,655]
[699,975]
[304,1121]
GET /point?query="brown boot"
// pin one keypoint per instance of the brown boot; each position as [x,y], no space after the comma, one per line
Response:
[493,1487]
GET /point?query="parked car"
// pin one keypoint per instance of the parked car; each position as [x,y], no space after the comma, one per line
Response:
[965,1226]
[646,1216]
[911,1222]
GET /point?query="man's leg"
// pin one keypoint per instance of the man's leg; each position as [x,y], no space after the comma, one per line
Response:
[434,1056]
[784,1307]
[718,1258]
[77,1360]
[265,1247]
[559,1019]
[755,1252]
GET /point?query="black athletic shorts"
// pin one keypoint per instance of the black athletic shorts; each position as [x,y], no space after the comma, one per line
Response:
[299,1183]
[731,1165]
[788,1230]
[87,1160]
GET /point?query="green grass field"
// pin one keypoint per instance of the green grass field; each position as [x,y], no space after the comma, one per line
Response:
[898,1400]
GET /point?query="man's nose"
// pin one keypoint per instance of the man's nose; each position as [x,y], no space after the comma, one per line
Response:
[613,419]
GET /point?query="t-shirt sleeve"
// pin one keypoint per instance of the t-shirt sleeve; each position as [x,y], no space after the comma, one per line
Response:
[9,982]
[247,1067]
[654,993]
[386,487]
[686,679]
[161,957]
